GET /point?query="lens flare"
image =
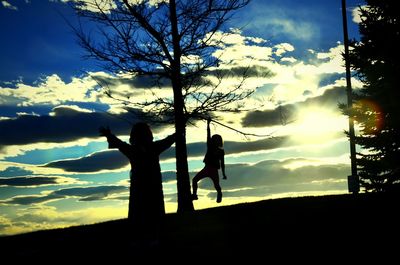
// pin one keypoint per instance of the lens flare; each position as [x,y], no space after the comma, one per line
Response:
[369,115]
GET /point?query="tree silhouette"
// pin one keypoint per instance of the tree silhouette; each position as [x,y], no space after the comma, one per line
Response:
[174,44]
[376,109]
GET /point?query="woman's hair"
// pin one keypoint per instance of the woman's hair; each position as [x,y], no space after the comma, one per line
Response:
[141,133]
[217,141]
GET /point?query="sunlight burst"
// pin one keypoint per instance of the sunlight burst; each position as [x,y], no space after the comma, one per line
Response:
[316,125]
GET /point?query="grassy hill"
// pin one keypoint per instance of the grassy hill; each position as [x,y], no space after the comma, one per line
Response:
[334,226]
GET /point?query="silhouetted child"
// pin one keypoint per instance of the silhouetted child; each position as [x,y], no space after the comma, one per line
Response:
[146,201]
[213,160]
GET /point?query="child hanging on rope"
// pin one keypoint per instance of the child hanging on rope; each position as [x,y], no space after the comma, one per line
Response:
[213,160]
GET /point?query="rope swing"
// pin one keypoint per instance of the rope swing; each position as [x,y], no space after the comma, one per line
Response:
[246,134]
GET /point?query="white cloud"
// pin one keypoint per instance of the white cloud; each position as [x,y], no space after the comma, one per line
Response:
[289,59]
[7,226]
[283,22]
[40,217]
[17,150]
[293,80]
[334,60]
[6,4]
[107,6]
[355,84]
[356,14]
[65,110]
[232,38]
[94,5]
[302,162]
[50,90]
[296,29]
[288,85]
[283,48]
[245,54]
[290,81]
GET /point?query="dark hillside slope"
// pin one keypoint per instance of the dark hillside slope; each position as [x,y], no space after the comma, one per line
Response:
[332,226]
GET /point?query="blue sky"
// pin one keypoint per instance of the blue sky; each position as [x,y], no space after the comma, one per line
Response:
[55,171]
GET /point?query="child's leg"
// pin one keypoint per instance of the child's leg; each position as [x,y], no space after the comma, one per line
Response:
[202,174]
[215,178]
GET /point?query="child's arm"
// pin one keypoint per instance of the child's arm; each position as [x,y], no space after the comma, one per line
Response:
[113,141]
[223,166]
[164,144]
[104,131]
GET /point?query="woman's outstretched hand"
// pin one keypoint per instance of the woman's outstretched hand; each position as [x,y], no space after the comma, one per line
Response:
[104,131]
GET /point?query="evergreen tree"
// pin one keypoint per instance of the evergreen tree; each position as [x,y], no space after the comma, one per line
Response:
[375,59]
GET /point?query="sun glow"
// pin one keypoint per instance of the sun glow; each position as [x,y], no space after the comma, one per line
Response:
[316,125]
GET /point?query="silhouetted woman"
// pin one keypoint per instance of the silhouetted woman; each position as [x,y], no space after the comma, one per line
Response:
[213,160]
[146,201]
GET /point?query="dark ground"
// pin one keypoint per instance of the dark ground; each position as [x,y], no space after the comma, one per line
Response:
[323,229]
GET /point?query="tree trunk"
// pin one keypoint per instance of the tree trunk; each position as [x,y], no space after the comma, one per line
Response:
[185,203]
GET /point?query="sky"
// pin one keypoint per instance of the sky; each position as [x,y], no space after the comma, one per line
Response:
[56,171]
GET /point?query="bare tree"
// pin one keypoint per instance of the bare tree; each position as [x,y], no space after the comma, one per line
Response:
[173,43]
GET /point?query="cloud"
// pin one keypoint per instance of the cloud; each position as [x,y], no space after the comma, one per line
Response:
[82,193]
[243,54]
[287,113]
[51,90]
[92,88]
[168,176]
[273,176]
[262,118]
[262,69]
[283,48]
[64,124]
[106,6]
[29,199]
[34,181]
[295,23]
[239,71]
[90,193]
[93,5]
[13,171]
[332,60]
[252,146]
[356,13]
[138,81]
[104,160]
[42,217]
[6,4]
[277,74]
[113,159]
